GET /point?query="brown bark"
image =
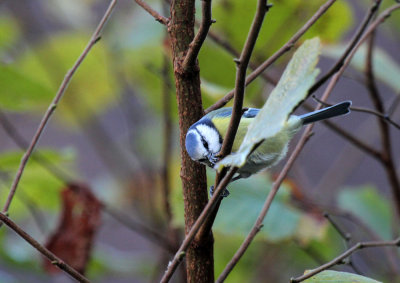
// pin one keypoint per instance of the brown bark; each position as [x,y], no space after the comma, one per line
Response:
[199,257]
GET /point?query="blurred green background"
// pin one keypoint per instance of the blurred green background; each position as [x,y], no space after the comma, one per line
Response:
[108,132]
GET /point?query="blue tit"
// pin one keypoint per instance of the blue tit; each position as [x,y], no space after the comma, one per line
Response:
[205,137]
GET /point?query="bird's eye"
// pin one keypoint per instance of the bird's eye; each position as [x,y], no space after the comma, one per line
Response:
[205,143]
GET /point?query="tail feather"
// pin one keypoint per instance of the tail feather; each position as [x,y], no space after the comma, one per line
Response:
[325,113]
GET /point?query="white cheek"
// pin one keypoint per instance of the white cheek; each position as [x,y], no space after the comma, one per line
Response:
[199,151]
[211,136]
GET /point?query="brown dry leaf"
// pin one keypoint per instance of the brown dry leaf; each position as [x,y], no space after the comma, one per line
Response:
[79,221]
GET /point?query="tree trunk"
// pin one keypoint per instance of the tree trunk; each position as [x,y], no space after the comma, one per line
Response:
[199,257]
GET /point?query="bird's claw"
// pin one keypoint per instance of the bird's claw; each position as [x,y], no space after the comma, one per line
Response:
[224,194]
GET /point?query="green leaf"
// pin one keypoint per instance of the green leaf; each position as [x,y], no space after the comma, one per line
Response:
[338,277]
[284,19]
[370,206]
[93,87]
[37,184]
[385,67]
[20,92]
[333,24]
[292,88]
[239,211]
[8,31]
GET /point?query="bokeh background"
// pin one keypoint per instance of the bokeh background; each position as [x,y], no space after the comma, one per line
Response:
[108,132]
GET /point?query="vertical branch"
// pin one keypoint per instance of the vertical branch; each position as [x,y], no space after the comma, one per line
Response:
[180,254]
[240,85]
[240,82]
[167,145]
[285,48]
[199,256]
[386,151]
[201,35]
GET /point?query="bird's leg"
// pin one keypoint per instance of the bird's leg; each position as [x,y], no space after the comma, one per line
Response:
[224,194]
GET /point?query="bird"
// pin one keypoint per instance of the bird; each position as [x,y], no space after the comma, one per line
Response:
[204,138]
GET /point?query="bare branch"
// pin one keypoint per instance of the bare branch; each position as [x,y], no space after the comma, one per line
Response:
[180,254]
[240,85]
[94,39]
[346,237]
[382,116]
[339,259]
[229,48]
[52,257]
[258,224]
[285,48]
[372,27]
[348,136]
[20,141]
[386,154]
[201,35]
[370,14]
[161,19]
[240,82]
[167,134]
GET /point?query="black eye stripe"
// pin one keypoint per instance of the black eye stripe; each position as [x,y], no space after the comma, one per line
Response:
[204,142]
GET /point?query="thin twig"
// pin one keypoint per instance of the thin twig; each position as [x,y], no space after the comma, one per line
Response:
[394,105]
[360,144]
[201,35]
[31,206]
[372,27]
[142,230]
[236,54]
[240,86]
[386,153]
[339,259]
[382,116]
[258,224]
[370,14]
[94,39]
[306,204]
[240,82]
[167,145]
[161,19]
[180,254]
[20,141]
[343,234]
[52,257]
[346,237]
[285,48]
